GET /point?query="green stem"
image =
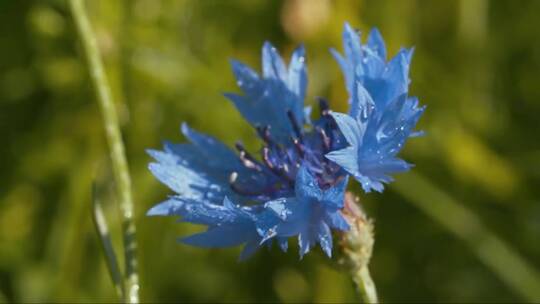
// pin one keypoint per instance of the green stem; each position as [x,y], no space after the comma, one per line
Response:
[357,247]
[106,244]
[116,146]
[364,284]
[496,254]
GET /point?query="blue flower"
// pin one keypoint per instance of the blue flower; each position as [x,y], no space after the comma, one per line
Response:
[381,115]
[296,187]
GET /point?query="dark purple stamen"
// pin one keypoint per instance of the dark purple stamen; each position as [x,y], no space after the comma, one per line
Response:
[325,139]
[236,188]
[246,158]
[283,172]
[266,158]
[299,147]
[280,161]
[323,106]
[264,134]
[271,146]
[296,127]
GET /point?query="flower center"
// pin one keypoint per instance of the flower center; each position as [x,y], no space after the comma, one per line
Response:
[279,163]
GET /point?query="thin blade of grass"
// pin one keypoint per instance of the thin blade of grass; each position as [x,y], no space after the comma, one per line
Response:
[102,229]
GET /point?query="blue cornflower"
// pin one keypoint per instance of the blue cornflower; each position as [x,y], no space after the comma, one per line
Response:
[296,187]
[381,115]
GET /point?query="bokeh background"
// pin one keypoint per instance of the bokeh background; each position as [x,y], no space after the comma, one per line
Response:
[476,66]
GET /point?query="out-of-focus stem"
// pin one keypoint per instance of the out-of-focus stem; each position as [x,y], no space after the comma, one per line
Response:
[357,246]
[115,143]
[365,285]
[102,229]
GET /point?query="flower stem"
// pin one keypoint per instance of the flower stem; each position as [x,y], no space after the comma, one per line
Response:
[115,143]
[357,246]
[365,285]
[102,228]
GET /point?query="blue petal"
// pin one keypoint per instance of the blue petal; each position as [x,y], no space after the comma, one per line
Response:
[349,127]
[215,151]
[307,114]
[273,66]
[336,220]
[306,240]
[280,207]
[220,236]
[186,179]
[333,197]
[306,185]
[389,165]
[297,80]
[373,173]
[392,83]
[417,133]
[397,75]
[376,43]
[168,172]
[284,218]
[324,236]
[167,207]
[268,99]
[283,244]
[372,65]
[353,55]
[246,78]
[249,249]
[200,170]
[346,158]
[361,103]
[351,45]
[198,212]
[269,108]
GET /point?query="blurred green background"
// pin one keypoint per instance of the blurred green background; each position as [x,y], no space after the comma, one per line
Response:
[476,66]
